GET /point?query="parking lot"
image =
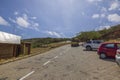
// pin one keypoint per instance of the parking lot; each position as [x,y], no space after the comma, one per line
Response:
[64,63]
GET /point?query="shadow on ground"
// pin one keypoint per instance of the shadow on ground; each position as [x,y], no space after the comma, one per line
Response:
[109,59]
[91,50]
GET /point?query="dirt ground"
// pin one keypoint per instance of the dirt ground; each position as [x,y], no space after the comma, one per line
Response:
[63,63]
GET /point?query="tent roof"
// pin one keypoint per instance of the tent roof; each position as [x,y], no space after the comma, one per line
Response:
[9,38]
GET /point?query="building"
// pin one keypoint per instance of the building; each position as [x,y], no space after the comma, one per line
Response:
[9,45]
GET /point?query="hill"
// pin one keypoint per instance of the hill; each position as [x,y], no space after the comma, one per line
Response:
[40,42]
[112,33]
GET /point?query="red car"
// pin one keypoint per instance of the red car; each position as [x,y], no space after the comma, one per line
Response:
[108,49]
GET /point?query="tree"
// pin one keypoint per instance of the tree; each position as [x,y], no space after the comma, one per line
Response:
[89,35]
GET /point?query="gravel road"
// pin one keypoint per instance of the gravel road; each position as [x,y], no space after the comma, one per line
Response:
[63,63]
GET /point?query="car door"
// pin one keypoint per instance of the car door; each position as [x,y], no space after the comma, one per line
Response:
[96,44]
[110,49]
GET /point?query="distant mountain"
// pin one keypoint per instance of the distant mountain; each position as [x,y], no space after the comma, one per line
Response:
[106,34]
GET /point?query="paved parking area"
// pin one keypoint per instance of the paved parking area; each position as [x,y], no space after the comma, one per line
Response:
[64,63]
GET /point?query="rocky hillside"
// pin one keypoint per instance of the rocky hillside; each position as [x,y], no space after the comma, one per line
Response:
[106,34]
[112,33]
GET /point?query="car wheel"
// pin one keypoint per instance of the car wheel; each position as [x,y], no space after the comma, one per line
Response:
[103,56]
[88,48]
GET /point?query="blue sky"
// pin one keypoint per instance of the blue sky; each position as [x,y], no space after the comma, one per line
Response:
[57,18]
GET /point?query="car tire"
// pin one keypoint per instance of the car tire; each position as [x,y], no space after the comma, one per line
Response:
[71,45]
[103,56]
[88,48]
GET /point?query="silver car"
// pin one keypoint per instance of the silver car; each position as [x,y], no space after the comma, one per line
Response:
[117,57]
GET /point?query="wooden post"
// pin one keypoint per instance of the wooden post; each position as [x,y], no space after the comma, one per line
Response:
[14,50]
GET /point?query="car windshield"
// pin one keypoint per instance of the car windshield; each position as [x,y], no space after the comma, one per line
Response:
[97,41]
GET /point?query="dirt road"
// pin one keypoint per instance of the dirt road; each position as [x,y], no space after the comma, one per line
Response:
[64,63]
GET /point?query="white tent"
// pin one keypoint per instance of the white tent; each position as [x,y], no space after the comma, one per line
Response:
[9,38]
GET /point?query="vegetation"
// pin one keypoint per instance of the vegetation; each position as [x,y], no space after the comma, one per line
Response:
[43,42]
[106,34]
[34,51]
[89,35]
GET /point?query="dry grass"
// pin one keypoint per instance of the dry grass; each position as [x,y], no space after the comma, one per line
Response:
[46,48]
[34,51]
[115,40]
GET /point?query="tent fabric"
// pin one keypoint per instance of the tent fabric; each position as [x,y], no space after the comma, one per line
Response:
[9,38]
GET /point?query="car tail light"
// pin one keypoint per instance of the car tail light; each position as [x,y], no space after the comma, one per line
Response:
[118,52]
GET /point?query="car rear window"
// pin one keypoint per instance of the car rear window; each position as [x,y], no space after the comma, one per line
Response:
[97,42]
[110,45]
[118,46]
[88,42]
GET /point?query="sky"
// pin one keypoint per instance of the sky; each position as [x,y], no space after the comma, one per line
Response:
[57,18]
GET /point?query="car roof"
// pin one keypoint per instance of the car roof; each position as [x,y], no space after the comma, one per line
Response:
[96,40]
[111,43]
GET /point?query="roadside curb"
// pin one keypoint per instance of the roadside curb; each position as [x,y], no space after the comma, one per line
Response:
[23,57]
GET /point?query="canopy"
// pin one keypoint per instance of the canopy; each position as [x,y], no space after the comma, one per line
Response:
[9,38]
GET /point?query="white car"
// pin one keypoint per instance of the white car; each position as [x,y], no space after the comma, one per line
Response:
[117,57]
[92,44]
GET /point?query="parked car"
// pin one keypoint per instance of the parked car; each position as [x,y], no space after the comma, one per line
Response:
[108,50]
[117,57]
[92,44]
[74,44]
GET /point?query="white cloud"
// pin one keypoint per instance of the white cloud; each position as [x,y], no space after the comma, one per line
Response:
[104,9]
[26,10]
[25,16]
[83,13]
[102,15]
[25,21]
[63,35]
[16,13]
[98,16]
[102,28]
[114,17]
[53,33]
[3,22]
[33,17]
[22,22]
[94,0]
[35,26]
[12,20]
[95,16]
[114,6]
